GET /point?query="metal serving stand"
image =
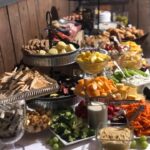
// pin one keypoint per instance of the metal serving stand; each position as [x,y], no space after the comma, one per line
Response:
[50,61]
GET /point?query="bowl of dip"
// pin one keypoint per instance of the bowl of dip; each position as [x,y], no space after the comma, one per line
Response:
[114,137]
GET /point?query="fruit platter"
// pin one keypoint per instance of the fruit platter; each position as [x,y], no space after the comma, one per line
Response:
[39,53]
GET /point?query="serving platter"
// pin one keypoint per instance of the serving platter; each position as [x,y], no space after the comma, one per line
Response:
[28,95]
[53,103]
[71,143]
[50,60]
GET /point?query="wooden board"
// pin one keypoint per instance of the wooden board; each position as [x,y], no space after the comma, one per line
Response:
[33,18]
[6,44]
[16,30]
[25,21]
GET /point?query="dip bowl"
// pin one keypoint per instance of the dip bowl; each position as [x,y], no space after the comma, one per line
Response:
[114,136]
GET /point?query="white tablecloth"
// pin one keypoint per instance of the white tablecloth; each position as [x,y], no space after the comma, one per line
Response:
[38,142]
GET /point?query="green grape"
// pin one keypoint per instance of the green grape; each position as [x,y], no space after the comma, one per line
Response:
[55,140]
[56,146]
[133,144]
[50,141]
[143,138]
[144,144]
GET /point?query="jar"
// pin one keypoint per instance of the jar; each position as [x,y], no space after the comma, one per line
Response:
[97,114]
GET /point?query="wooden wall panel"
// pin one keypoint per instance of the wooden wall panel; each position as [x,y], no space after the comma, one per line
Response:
[16,29]
[143,14]
[56,4]
[132,7]
[33,18]
[73,6]
[63,7]
[22,21]
[144,23]
[25,21]
[139,13]
[63,11]
[6,44]
[42,6]
[1,62]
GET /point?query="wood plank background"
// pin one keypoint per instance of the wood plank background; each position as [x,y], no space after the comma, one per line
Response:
[139,14]
[21,21]
[25,19]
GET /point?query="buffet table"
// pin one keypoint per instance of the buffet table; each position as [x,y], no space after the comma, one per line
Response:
[111,89]
[37,141]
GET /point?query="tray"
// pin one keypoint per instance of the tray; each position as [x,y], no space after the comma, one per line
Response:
[28,95]
[55,60]
[49,60]
[70,143]
[109,101]
[53,103]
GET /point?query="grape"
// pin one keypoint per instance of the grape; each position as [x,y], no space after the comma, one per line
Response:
[143,138]
[55,140]
[56,146]
[144,144]
[50,141]
[133,144]
[116,109]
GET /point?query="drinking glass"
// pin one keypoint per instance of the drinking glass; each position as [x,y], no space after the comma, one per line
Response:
[97,113]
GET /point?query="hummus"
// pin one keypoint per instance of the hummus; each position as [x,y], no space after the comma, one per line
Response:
[115,138]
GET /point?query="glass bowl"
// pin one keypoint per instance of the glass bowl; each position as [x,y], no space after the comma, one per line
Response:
[130,60]
[93,61]
[114,136]
[93,68]
[12,119]
[132,64]
[37,119]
